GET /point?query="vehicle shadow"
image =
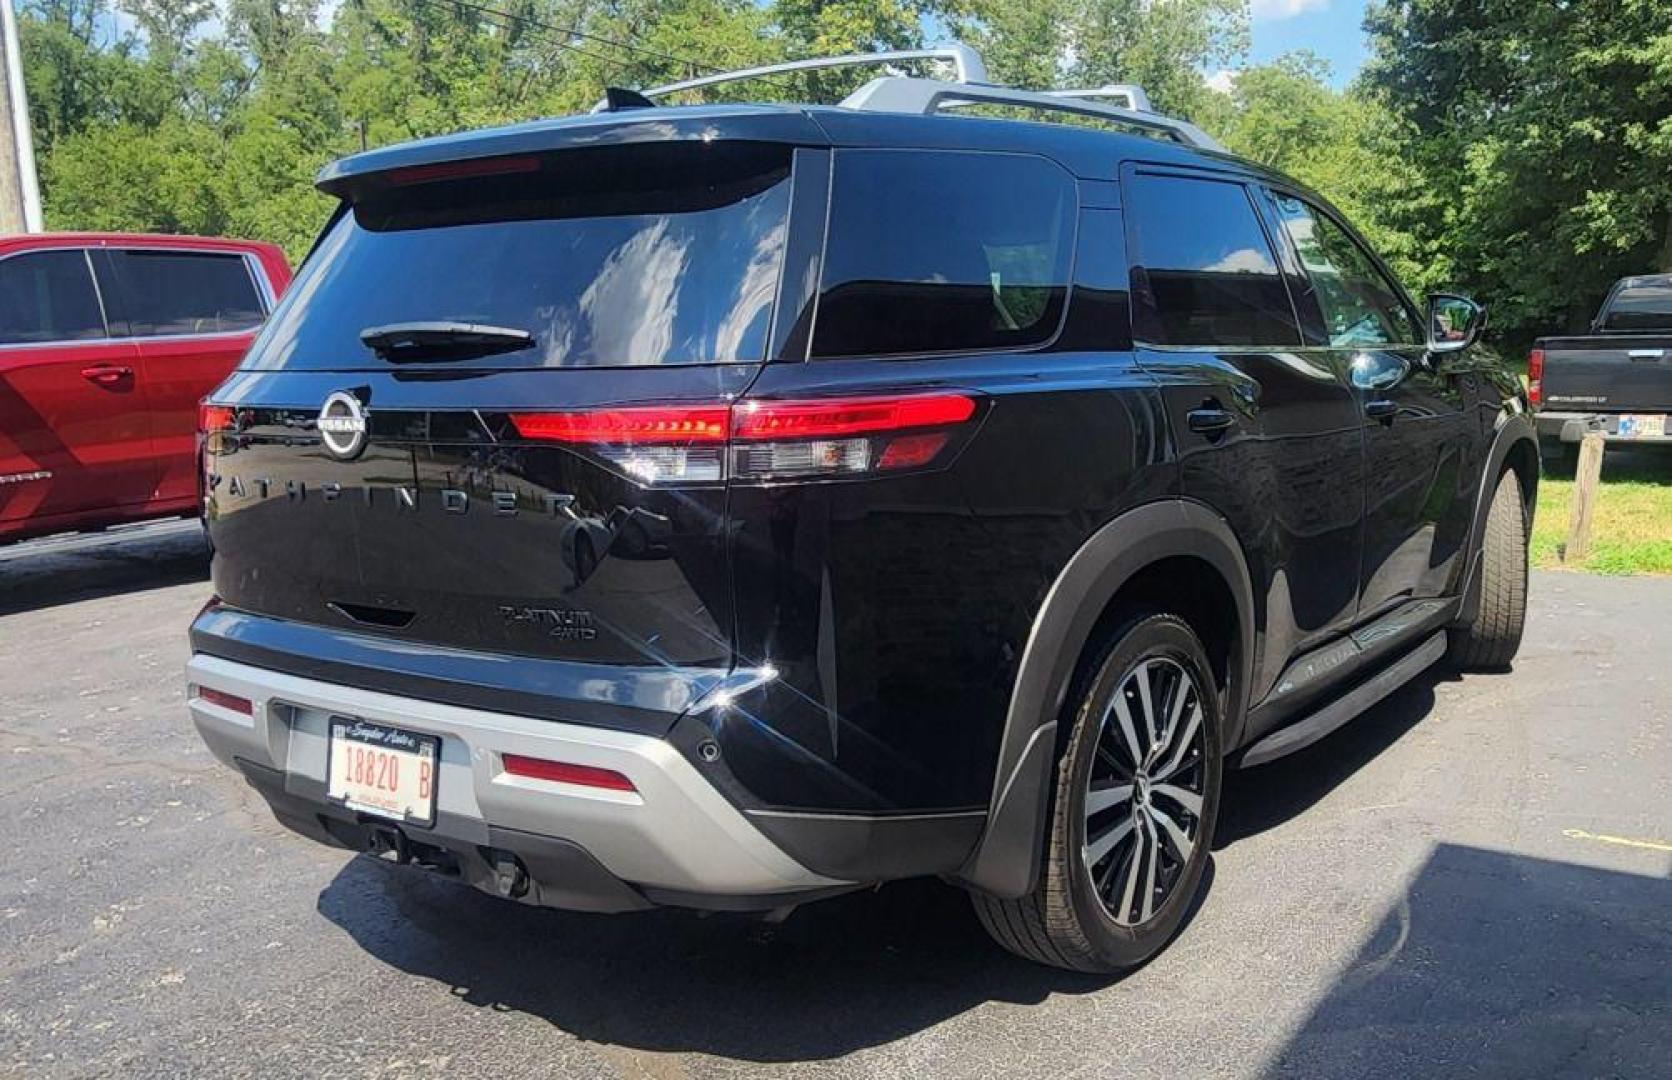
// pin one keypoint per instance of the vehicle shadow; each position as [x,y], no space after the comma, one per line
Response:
[1497,964]
[1266,796]
[40,574]
[840,975]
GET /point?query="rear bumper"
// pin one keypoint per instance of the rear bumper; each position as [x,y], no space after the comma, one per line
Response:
[674,840]
[1571,427]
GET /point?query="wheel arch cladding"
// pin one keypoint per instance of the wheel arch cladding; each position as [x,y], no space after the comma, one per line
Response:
[1514,448]
[1140,548]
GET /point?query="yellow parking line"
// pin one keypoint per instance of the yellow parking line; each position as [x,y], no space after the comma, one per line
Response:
[1622,841]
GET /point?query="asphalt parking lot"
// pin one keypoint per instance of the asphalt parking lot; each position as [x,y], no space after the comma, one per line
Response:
[1473,879]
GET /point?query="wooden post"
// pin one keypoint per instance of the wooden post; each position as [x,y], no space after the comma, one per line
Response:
[1585,481]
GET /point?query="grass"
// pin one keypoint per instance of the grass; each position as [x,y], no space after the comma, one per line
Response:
[1632,524]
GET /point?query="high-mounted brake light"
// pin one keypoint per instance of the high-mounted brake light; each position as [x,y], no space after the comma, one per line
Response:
[462,170]
[765,439]
[567,773]
[1535,377]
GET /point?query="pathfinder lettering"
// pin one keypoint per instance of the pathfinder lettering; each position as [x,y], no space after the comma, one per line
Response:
[402,497]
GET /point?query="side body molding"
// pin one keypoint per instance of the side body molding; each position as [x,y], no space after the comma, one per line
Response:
[1006,860]
[1512,430]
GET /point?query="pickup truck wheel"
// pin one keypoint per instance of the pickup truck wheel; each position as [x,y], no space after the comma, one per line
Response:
[1490,642]
[1137,793]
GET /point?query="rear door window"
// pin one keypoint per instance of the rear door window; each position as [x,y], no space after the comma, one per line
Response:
[176,293]
[1203,271]
[48,296]
[1361,307]
[951,251]
[636,256]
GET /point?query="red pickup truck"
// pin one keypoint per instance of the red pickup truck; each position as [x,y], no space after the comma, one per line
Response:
[107,344]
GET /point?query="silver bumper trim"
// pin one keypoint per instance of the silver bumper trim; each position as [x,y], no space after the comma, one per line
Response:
[674,832]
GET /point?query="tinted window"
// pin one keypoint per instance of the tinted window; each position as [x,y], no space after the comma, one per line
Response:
[1645,306]
[654,254]
[48,296]
[1360,306]
[1203,271]
[179,292]
[939,252]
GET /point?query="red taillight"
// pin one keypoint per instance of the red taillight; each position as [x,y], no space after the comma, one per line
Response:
[461,170]
[767,439]
[213,418]
[226,700]
[567,773]
[1535,377]
[847,416]
[637,426]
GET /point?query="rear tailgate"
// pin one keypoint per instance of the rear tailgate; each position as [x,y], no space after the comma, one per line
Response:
[486,501]
[1608,373]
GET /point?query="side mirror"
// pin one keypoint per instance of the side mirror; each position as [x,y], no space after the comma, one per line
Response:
[1454,323]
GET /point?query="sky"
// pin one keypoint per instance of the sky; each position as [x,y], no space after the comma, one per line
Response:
[1330,28]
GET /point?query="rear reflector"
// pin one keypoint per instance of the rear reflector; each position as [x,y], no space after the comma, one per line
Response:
[769,439]
[565,773]
[1535,377]
[226,700]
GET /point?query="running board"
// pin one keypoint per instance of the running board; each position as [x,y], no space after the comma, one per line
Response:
[1303,733]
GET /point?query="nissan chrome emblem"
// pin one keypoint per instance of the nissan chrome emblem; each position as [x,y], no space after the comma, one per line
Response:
[342,425]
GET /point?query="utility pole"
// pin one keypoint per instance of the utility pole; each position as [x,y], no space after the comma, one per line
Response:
[20,192]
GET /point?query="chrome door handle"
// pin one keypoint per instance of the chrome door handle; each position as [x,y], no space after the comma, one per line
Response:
[1382,409]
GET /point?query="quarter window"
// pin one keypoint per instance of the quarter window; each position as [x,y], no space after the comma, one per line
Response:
[1203,271]
[48,296]
[1360,306]
[178,292]
[943,252]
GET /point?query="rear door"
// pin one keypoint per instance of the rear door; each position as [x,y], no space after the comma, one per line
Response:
[191,313]
[1421,437]
[1268,432]
[528,456]
[73,435]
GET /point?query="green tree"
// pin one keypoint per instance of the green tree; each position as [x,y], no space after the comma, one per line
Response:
[1543,132]
[1164,47]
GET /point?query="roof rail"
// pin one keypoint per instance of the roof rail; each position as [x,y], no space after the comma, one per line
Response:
[1130,93]
[927,97]
[969,87]
[966,64]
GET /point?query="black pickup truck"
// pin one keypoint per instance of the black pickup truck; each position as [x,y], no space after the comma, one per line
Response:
[1616,379]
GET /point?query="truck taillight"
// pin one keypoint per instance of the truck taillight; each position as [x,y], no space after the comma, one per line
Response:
[1535,377]
[213,418]
[821,438]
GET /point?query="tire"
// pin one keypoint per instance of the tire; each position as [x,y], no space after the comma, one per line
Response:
[1069,920]
[1491,640]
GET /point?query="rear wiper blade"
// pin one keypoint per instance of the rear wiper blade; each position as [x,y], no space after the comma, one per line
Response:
[442,340]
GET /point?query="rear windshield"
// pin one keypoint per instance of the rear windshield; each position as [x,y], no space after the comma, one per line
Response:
[1641,307]
[626,256]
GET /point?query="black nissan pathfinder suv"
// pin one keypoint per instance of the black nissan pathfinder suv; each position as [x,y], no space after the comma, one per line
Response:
[730,506]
